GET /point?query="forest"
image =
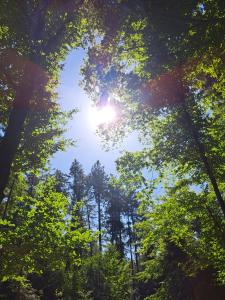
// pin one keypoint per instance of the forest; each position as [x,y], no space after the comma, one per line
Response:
[154,230]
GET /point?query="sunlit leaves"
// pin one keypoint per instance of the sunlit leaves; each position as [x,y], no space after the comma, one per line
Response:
[41,233]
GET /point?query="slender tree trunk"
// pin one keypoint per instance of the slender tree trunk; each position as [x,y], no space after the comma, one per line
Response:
[121,244]
[89,227]
[18,296]
[88,218]
[23,94]
[135,244]
[218,226]
[203,157]
[12,137]
[130,245]
[131,257]
[99,223]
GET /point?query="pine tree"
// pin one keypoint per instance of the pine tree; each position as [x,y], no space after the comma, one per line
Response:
[114,215]
[98,180]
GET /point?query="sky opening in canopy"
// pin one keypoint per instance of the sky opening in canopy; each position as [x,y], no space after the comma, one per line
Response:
[88,148]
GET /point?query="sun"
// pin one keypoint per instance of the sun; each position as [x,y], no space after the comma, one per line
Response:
[102,115]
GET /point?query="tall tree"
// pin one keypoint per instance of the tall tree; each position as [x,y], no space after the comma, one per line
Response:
[114,215]
[62,182]
[35,37]
[36,236]
[98,180]
[148,61]
[78,189]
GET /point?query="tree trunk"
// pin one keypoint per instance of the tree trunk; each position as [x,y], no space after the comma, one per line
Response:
[135,245]
[30,75]
[130,245]
[89,227]
[203,157]
[99,223]
[12,137]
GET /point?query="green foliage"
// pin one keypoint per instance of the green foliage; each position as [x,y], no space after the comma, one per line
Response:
[37,235]
[35,39]
[163,67]
[107,276]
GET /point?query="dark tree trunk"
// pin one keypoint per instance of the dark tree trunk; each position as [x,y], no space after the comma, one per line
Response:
[30,75]
[130,245]
[121,245]
[135,245]
[203,157]
[12,137]
[99,222]
[89,227]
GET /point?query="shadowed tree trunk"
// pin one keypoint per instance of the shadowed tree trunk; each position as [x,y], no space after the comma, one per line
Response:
[98,199]
[29,73]
[202,153]
[12,137]
[23,85]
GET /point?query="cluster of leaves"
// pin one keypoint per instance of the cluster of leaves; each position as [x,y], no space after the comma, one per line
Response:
[106,207]
[164,66]
[49,231]
[37,235]
[35,38]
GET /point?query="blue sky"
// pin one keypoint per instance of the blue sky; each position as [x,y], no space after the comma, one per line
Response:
[88,147]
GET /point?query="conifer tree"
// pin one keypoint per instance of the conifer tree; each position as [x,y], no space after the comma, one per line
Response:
[98,180]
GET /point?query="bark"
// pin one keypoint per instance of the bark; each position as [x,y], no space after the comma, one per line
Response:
[204,158]
[121,246]
[12,137]
[99,222]
[130,233]
[89,227]
[135,245]
[31,74]
[130,245]
[218,225]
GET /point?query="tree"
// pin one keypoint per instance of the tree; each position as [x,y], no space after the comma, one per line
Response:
[98,181]
[78,192]
[176,233]
[62,182]
[78,189]
[148,62]
[114,274]
[32,52]
[180,234]
[36,238]
[114,215]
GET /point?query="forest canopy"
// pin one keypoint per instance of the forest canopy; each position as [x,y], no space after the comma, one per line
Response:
[156,228]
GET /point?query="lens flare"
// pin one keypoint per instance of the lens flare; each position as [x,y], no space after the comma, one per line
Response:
[101,116]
